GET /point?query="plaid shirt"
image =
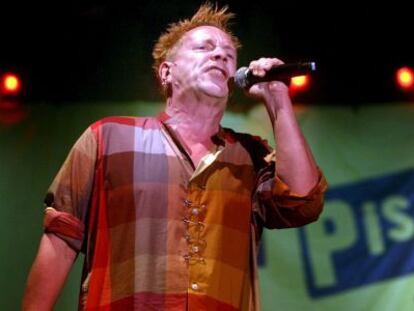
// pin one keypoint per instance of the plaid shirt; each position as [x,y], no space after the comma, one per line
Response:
[160,234]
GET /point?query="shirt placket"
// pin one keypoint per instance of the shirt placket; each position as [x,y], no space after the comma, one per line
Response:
[195,212]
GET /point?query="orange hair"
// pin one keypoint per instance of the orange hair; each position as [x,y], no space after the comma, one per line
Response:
[207,14]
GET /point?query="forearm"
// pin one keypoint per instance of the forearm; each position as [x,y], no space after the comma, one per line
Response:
[295,163]
[48,273]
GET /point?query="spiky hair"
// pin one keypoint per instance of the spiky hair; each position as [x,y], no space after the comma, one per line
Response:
[207,15]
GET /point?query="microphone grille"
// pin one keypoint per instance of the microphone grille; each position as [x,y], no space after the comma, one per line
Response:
[240,77]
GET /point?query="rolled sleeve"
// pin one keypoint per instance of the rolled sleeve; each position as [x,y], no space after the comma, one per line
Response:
[65,226]
[278,207]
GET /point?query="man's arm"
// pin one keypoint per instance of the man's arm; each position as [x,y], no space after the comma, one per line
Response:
[48,273]
[295,196]
[295,163]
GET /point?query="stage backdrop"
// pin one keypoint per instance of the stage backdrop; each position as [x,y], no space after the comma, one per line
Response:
[358,256]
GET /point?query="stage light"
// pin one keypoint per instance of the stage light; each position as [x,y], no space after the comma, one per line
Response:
[405,78]
[299,83]
[10,84]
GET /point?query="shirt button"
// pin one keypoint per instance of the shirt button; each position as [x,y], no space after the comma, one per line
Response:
[194,286]
[196,249]
[194,211]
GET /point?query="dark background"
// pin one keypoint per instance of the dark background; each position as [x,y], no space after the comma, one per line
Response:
[101,50]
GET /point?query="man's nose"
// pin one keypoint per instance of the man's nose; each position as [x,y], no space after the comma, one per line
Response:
[219,54]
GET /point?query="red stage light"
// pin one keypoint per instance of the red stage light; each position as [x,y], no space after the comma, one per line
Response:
[405,78]
[10,84]
[299,83]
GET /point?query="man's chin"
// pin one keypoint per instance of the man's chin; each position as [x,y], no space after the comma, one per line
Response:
[216,91]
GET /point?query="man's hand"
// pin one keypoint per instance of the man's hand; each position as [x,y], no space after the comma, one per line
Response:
[269,92]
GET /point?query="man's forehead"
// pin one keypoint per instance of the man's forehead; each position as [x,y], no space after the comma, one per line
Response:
[202,33]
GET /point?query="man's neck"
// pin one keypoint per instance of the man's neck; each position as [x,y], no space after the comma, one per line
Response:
[196,121]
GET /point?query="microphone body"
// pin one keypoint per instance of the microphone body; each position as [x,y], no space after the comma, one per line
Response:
[244,78]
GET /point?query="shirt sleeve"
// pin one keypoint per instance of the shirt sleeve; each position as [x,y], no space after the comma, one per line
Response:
[275,205]
[68,197]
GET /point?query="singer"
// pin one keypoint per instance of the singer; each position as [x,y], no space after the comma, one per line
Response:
[169,210]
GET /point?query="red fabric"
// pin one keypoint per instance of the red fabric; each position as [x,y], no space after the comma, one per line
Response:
[63,223]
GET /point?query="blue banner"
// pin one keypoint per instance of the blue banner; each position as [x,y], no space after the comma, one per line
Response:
[364,235]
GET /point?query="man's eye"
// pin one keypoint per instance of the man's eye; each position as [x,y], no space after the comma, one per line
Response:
[204,47]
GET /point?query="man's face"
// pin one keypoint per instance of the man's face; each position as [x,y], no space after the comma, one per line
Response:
[204,60]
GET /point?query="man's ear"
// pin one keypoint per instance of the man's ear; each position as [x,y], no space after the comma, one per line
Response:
[164,73]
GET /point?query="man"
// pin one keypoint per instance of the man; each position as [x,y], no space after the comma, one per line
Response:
[169,210]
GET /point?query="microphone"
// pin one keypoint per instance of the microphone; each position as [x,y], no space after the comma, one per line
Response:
[244,78]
